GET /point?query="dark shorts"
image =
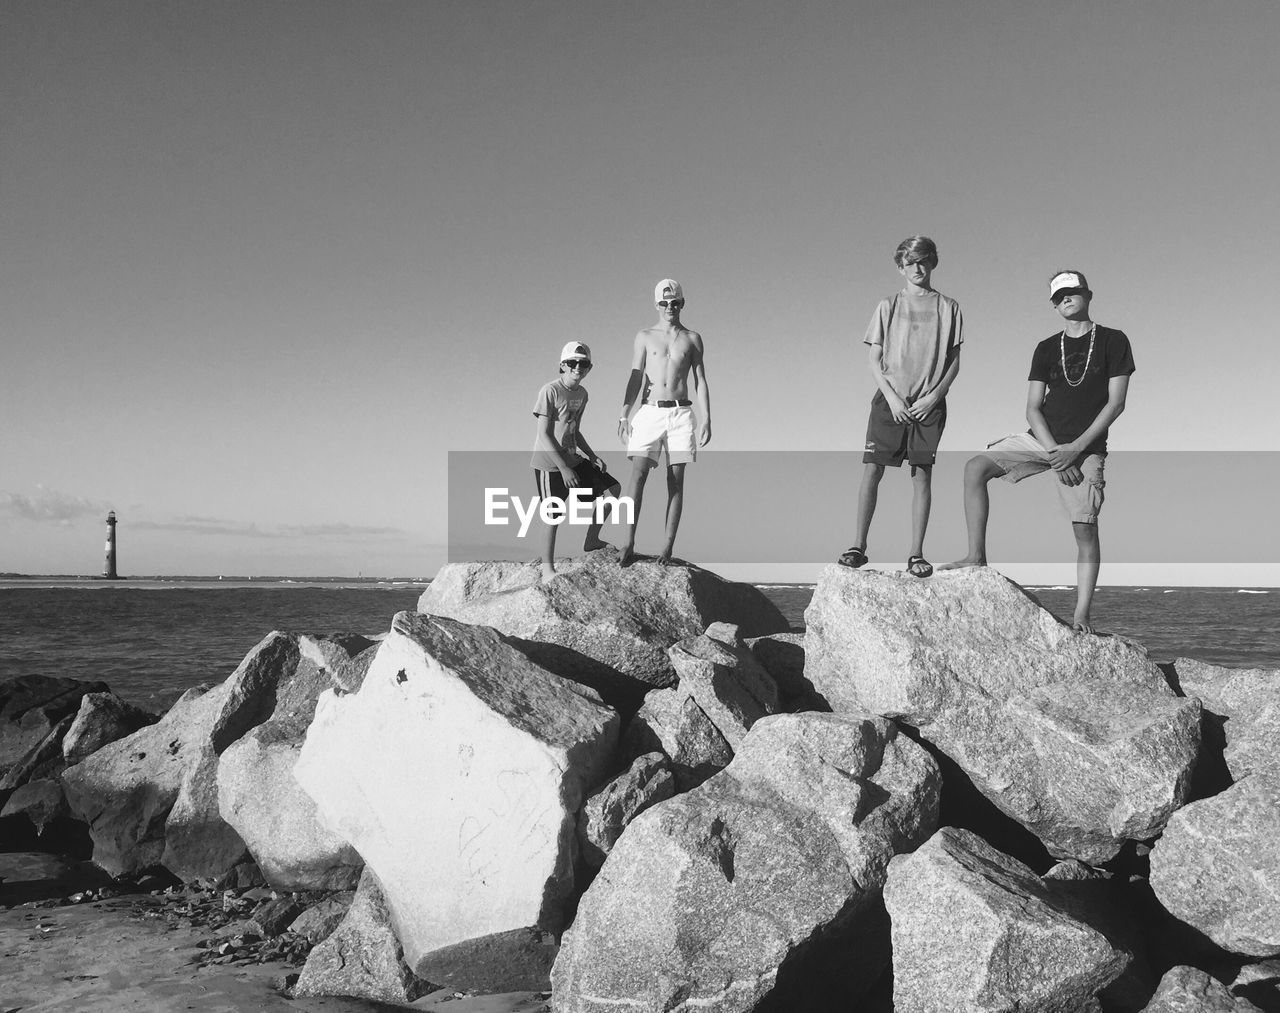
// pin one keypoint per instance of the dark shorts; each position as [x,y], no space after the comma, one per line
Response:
[890,443]
[551,483]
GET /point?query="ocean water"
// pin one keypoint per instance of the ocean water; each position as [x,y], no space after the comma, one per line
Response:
[152,640]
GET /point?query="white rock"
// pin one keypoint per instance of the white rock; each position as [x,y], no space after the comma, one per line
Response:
[457,772]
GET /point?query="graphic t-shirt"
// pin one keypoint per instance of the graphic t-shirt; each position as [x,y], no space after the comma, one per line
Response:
[1071,403]
[564,407]
[916,332]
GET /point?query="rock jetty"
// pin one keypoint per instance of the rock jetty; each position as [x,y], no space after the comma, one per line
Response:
[637,788]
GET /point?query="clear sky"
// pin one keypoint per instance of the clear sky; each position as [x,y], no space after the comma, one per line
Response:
[264,264]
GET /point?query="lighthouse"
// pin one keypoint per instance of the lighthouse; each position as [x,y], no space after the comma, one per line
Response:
[109,567]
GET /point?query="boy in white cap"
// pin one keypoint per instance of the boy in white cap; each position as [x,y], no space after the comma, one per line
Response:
[667,359]
[562,458]
[1077,387]
[914,341]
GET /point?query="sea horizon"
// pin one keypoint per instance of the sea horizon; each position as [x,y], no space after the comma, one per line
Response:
[18,580]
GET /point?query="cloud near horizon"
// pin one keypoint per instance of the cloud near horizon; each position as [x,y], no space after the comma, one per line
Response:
[248,529]
[51,506]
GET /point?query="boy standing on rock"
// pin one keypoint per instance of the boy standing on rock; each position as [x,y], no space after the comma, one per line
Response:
[1078,384]
[558,464]
[914,340]
[666,360]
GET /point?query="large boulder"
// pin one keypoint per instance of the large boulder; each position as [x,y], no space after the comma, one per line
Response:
[257,794]
[600,623]
[151,797]
[1190,990]
[1077,737]
[1217,866]
[976,931]
[457,772]
[1247,702]
[31,706]
[362,957]
[760,885]
[722,691]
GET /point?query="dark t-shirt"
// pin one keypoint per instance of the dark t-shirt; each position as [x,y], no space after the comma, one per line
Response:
[1070,410]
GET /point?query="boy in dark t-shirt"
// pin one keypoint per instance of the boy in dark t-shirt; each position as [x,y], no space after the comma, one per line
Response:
[1078,383]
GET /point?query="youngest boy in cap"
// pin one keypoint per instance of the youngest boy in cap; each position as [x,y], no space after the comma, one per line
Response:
[1078,384]
[914,340]
[562,458]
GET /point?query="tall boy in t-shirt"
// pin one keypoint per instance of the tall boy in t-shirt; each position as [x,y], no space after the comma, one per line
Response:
[562,458]
[914,340]
[1077,387]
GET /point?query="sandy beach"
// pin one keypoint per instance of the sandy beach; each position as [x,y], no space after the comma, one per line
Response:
[133,953]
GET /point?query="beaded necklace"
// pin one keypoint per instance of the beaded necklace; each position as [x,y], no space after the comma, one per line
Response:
[1062,346]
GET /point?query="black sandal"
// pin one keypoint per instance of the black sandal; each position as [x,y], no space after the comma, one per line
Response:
[918,566]
[853,557]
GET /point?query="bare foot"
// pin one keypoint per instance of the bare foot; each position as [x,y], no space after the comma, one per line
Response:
[967,561]
[664,558]
[595,543]
[1082,625]
[548,571]
[627,556]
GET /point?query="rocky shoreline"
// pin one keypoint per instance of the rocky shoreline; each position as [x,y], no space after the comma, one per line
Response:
[637,787]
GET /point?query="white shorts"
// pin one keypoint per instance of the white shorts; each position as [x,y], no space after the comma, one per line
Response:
[1021,456]
[653,428]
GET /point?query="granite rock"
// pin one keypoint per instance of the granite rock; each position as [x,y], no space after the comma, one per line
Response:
[257,793]
[1217,866]
[761,883]
[1247,701]
[722,691]
[600,623]
[363,957]
[607,813]
[975,931]
[1189,990]
[1077,737]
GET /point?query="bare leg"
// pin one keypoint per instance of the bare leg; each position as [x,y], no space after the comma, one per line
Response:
[977,505]
[593,540]
[1088,562]
[868,493]
[635,489]
[549,552]
[675,506]
[921,503]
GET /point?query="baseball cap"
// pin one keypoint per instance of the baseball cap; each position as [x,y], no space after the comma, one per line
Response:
[1065,281]
[575,350]
[667,288]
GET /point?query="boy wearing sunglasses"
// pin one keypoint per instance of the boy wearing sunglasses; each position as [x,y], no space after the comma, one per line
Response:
[562,458]
[914,340]
[667,359]
[1078,384]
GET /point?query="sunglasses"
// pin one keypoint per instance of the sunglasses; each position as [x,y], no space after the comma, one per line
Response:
[677,303]
[577,365]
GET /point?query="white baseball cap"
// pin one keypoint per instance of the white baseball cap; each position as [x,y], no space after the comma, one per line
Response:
[1066,280]
[667,288]
[575,350]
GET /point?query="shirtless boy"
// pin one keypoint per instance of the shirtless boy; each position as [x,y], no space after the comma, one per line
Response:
[666,361]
